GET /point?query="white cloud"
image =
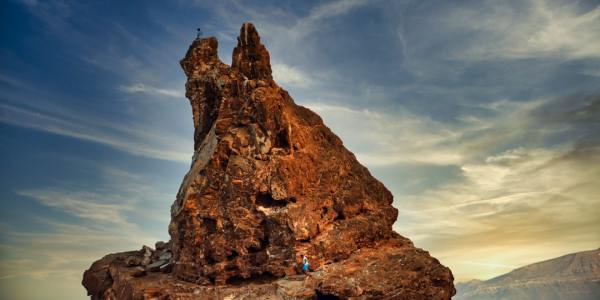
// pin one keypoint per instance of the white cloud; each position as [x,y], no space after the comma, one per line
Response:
[564,31]
[493,265]
[288,75]
[296,26]
[83,204]
[543,28]
[108,215]
[506,208]
[125,137]
[59,254]
[591,70]
[382,139]
[147,89]
[283,31]
[308,24]
[111,201]
[333,8]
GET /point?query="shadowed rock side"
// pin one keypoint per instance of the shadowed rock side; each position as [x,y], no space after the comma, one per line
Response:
[268,182]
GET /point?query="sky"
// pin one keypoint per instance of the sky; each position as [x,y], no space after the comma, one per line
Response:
[481,117]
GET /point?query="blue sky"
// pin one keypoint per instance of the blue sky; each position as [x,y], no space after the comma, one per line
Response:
[482,117]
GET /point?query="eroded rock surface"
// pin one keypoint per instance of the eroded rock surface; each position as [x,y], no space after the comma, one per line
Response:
[268,182]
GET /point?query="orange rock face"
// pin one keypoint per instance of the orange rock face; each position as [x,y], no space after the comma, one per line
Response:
[269,182]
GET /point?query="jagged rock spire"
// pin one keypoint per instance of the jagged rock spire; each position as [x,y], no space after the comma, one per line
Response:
[250,56]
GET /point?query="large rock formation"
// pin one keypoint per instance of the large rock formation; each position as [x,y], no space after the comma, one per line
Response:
[268,182]
[574,277]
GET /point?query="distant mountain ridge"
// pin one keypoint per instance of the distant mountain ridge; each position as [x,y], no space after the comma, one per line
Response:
[573,276]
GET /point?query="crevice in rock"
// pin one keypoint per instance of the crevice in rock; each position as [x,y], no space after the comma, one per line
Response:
[324,211]
[282,139]
[340,216]
[233,255]
[231,268]
[265,277]
[208,112]
[266,200]
[210,225]
[264,243]
[212,278]
[209,258]
[439,282]
[264,240]
[254,249]
[325,296]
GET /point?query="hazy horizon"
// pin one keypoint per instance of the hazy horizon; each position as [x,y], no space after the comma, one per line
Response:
[482,118]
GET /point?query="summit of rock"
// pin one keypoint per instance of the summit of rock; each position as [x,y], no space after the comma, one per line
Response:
[250,56]
[268,182]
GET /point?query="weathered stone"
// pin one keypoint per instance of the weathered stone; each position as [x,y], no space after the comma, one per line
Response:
[133,261]
[97,278]
[390,270]
[139,272]
[155,266]
[165,255]
[293,287]
[268,182]
[146,253]
[166,268]
[160,245]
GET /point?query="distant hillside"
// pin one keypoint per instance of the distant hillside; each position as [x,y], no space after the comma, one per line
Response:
[570,277]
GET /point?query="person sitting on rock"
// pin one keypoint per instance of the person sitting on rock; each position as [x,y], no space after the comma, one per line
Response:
[305,264]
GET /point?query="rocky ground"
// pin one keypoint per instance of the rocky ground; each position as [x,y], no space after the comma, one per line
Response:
[269,182]
[370,273]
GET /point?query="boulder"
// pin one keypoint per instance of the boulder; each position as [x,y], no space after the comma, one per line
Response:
[155,266]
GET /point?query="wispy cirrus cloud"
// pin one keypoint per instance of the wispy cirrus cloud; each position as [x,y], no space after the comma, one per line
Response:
[84,204]
[386,139]
[308,24]
[54,258]
[151,90]
[383,139]
[289,75]
[540,28]
[513,204]
[129,138]
[107,217]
